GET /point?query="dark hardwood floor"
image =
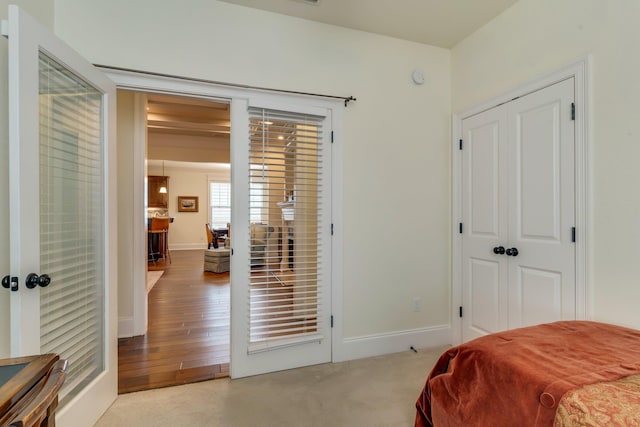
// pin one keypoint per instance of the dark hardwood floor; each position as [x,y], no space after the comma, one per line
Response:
[188,338]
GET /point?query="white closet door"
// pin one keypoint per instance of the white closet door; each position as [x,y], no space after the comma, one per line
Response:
[518,211]
[484,273]
[542,206]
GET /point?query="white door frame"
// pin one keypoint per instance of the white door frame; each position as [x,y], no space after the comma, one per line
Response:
[236,96]
[580,71]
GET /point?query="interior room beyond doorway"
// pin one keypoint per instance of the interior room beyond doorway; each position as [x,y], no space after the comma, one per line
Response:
[187,157]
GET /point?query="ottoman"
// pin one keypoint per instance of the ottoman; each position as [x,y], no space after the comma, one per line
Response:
[216,260]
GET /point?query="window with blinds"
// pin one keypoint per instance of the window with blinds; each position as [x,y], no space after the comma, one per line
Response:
[71,225]
[285,184]
[220,204]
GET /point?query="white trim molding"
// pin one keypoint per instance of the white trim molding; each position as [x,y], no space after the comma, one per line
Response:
[139,273]
[393,342]
[126,327]
[580,71]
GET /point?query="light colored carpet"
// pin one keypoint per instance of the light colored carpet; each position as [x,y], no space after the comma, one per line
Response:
[152,278]
[377,391]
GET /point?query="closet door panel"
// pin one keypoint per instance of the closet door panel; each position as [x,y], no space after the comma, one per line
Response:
[537,145]
[484,187]
[484,287]
[538,294]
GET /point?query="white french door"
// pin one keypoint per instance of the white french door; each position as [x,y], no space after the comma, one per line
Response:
[62,217]
[281,268]
[518,211]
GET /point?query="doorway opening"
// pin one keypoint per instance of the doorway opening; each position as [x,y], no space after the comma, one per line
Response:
[187,162]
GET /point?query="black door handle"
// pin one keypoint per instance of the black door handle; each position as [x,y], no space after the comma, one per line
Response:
[512,252]
[10,283]
[498,250]
[34,280]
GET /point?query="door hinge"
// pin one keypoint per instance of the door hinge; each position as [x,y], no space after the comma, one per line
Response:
[460,227]
[332,137]
[573,234]
[231,251]
[461,144]
[573,111]
[4,28]
[332,229]
[460,311]
[332,320]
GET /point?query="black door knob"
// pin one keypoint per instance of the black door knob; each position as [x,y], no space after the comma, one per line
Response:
[34,280]
[498,250]
[512,252]
[10,283]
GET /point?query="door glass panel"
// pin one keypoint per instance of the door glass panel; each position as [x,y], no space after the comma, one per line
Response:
[285,184]
[71,226]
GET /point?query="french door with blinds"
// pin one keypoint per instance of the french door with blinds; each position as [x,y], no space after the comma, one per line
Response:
[62,222]
[287,278]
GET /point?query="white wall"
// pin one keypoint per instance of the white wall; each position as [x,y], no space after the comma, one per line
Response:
[537,36]
[187,229]
[129,190]
[125,203]
[396,147]
[42,10]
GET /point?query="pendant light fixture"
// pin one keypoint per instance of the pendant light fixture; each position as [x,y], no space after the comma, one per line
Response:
[163,189]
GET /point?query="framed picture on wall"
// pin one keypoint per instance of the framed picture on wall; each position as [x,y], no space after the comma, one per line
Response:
[187,203]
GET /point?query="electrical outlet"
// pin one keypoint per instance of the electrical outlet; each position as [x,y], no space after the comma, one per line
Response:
[416,304]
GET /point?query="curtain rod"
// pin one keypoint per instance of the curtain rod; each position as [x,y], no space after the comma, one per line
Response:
[346,99]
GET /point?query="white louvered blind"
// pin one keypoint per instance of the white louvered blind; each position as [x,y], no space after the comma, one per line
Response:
[71,225]
[285,183]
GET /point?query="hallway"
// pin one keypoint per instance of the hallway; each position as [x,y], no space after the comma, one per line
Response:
[189,328]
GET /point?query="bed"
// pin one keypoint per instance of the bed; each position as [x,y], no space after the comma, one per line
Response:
[570,373]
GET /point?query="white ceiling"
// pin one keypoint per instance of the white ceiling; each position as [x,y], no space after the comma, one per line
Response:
[187,116]
[435,22]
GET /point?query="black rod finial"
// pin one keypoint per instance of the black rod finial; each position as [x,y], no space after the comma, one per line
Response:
[349,99]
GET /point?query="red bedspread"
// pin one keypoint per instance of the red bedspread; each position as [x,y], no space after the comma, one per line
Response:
[518,377]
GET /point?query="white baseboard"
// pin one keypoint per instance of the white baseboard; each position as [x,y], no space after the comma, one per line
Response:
[187,246]
[392,342]
[125,327]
